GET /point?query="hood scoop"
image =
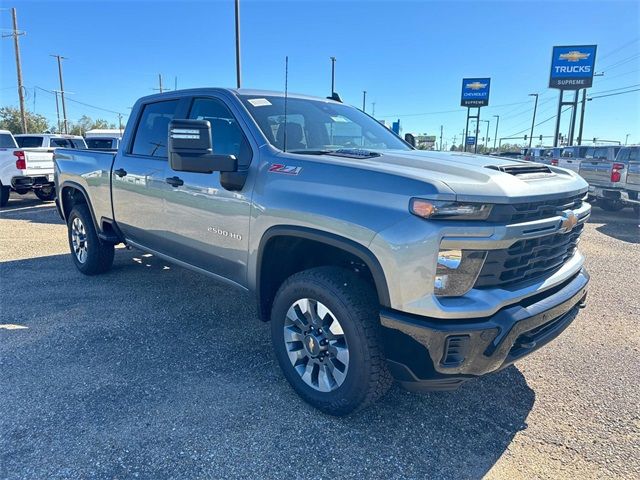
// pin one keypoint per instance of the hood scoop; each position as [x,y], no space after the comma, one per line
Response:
[524,171]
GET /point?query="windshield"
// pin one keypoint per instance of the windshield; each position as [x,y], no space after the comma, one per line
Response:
[318,126]
[7,141]
[29,142]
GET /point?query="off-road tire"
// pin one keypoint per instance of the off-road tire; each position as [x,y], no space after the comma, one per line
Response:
[355,305]
[610,205]
[46,194]
[4,195]
[99,254]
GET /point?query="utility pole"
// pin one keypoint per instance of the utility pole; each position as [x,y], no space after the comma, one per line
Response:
[120,122]
[533,122]
[333,75]
[441,129]
[238,76]
[364,100]
[584,101]
[58,110]
[160,82]
[626,139]
[64,107]
[373,109]
[495,138]
[175,84]
[486,138]
[15,34]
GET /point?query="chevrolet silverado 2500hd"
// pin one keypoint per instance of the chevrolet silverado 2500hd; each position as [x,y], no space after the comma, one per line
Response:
[371,259]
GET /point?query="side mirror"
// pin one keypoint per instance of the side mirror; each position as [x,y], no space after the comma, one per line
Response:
[191,149]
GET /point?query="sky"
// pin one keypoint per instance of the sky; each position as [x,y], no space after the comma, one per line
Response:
[410,57]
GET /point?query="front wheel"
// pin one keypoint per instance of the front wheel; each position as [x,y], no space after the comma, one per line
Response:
[90,254]
[46,194]
[325,331]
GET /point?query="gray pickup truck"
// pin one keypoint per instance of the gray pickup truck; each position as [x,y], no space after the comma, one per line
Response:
[373,261]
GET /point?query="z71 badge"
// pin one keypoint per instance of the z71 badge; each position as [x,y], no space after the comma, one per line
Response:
[286,169]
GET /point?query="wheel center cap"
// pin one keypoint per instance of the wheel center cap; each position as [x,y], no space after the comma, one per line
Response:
[312,345]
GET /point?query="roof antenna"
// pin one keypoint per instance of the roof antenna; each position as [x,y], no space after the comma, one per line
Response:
[286,86]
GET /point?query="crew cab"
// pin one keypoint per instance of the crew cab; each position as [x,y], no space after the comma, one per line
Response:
[603,173]
[372,260]
[103,143]
[25,169]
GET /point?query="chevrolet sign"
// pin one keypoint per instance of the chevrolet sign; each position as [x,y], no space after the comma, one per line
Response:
[475,92]
[572,67]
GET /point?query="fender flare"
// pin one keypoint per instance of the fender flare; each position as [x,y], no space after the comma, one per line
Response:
[337,241]
[80,188]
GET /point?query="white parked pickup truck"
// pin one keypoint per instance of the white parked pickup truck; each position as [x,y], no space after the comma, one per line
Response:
[26,163]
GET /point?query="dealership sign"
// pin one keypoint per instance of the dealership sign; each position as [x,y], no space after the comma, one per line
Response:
[572,67]
[475,92]
[471,140]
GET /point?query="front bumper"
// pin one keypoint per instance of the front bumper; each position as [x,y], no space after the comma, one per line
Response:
[435,354]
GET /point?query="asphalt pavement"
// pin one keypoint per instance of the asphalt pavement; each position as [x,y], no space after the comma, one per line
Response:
[152,371]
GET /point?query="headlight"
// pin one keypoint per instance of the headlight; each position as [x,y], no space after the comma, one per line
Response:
[457,271]
[441,210]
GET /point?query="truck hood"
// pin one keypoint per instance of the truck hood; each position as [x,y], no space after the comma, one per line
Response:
[468,177]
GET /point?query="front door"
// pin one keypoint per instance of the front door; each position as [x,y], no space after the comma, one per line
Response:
[138,177]
[208,225]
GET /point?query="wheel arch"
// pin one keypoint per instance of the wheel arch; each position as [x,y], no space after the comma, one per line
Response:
[71,194]
[304,237]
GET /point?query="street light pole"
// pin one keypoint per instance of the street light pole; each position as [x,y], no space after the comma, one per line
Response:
[495,138]
[65,124]
[364,100]
[533,121]
[441,129]
[626,138]
[238,77]
[333,75]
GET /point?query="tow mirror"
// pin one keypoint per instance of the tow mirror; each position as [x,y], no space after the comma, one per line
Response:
[191,149]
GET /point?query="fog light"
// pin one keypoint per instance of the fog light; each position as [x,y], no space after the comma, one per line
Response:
[457,271]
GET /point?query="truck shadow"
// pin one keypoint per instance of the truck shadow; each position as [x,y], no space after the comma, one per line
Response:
[154,369]
[623,225]
[29,208]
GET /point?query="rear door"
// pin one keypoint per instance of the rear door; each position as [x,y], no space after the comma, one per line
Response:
[208,225]
[138,176]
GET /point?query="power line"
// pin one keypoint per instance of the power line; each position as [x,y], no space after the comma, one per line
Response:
[614,94]
[444,111]
[82,103]
[616,50]
[537,124]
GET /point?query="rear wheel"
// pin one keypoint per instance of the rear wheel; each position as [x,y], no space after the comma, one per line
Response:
[46,194]
[325,332]
[4,195]
[610,205]
[90,254]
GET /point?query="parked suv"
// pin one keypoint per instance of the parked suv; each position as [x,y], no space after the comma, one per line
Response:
[372,260]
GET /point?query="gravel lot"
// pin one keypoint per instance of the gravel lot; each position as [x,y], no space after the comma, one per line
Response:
[152,371]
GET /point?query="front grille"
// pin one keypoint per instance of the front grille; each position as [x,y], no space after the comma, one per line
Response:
[529,211]
[528,259]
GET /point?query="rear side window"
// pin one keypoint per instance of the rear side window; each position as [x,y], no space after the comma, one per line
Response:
[227,136]
[634,154]
[7,141]
[29,142]
[60,143]
[153,129]
[78,143]
[101,143]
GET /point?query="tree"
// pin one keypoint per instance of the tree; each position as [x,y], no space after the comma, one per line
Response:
[86,123]
[10,120]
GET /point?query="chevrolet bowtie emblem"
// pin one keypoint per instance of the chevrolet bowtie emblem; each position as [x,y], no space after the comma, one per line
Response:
[476,85]
[574,56]
[312,343]
[569,221]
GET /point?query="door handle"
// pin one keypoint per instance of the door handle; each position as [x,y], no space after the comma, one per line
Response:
[121,172]
[175,181]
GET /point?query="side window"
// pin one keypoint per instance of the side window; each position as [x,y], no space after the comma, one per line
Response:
[633,154]
[590,153]
[153,129]
[227,136]
[60,142]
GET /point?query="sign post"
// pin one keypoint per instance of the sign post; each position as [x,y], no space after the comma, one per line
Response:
[572,68]
[475,94]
